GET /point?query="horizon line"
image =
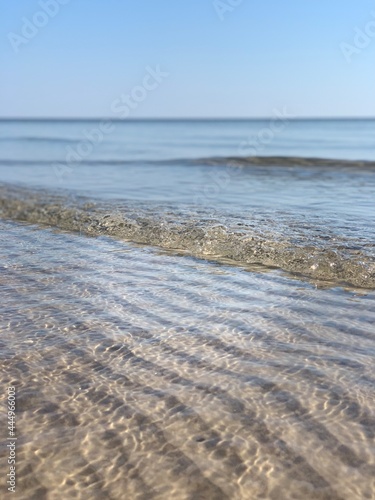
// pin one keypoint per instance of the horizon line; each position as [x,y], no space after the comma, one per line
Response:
[134,119]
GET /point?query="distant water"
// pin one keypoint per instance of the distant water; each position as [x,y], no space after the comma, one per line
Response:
[184,318]
[162,140]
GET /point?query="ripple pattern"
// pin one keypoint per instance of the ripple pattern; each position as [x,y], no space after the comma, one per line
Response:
[147,375]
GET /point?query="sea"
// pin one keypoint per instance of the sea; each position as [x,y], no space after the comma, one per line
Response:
[188,308]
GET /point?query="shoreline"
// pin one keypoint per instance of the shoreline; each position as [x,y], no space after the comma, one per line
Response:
[244,244]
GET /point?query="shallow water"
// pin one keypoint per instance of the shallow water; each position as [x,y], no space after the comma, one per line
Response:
[142,374]
[338,249]
[148,372]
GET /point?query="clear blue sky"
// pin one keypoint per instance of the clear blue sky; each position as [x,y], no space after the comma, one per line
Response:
[263,54]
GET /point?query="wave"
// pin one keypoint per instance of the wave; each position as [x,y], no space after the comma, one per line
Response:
[196,233]
[229,161]
[284,161]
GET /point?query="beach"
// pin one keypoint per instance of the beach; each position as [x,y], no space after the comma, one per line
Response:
[185,322]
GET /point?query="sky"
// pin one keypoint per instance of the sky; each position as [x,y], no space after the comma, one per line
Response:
[212,58]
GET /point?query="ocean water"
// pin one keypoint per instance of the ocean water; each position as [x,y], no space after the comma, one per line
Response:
[186,319]
[303,200]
